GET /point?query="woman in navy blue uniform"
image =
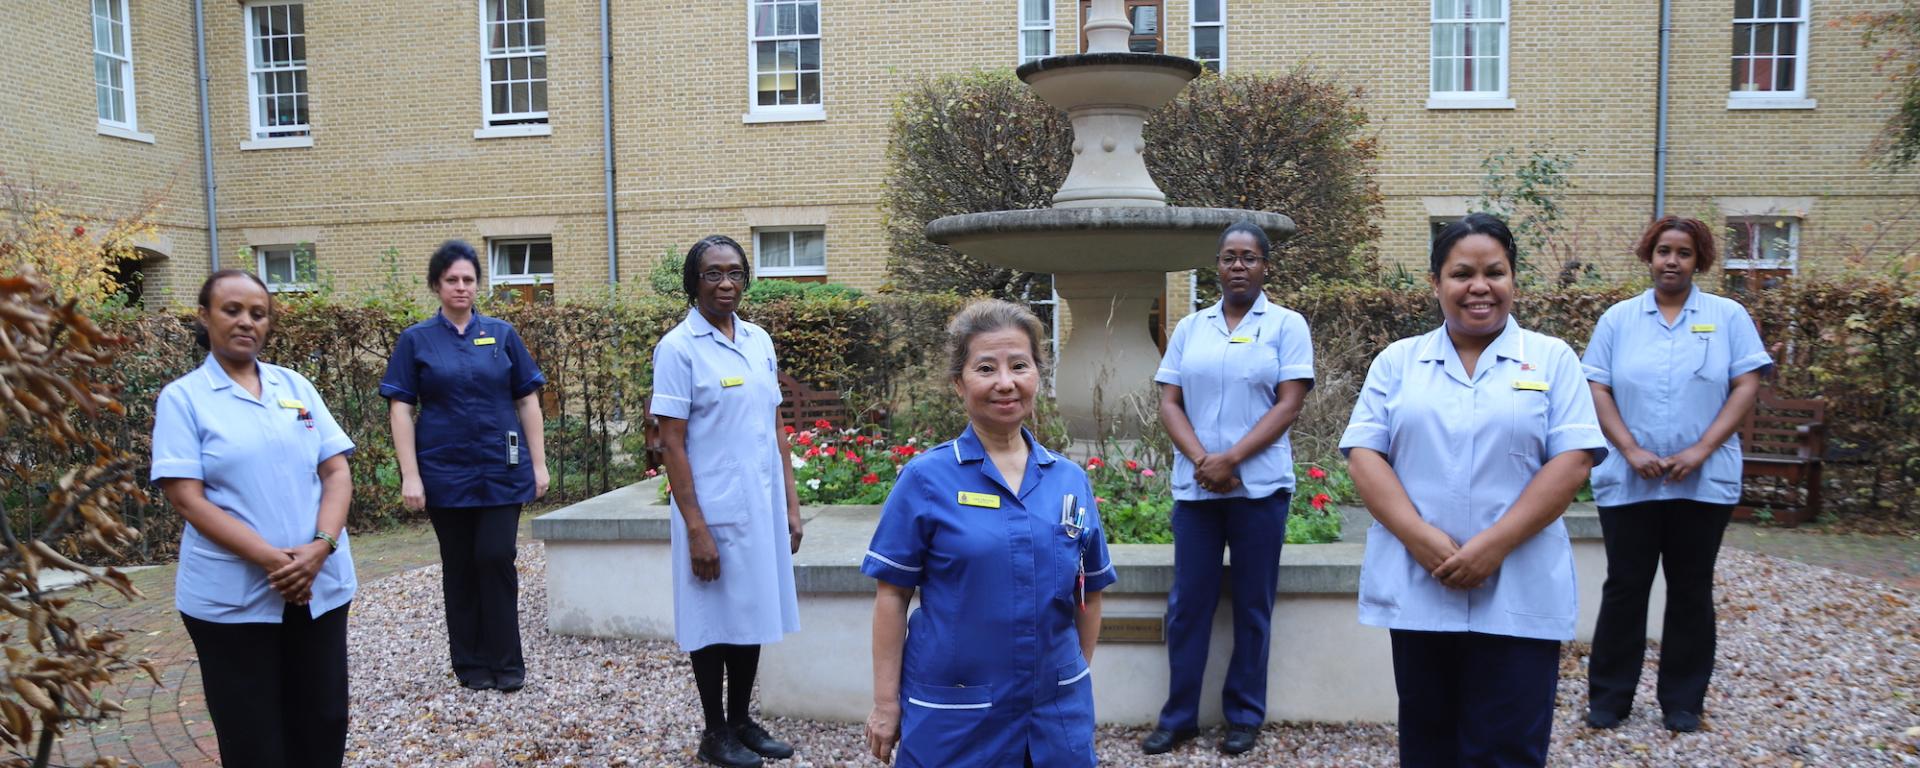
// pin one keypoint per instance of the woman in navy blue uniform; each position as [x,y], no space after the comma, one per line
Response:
[1002,540]
[250,456]
[473,456]
[1673,372]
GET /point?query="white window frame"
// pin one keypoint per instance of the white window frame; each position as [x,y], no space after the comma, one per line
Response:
[121,63]
[1034,25]
[293,252]
[261,135]
[507,124]
[1771,99]
[1745,261]
[497,277]
[760,270]
[1494,99]
[1193,37]
[783,113]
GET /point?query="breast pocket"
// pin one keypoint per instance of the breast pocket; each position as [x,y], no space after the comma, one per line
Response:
[1708,357]
[1066,567]
[1527,430]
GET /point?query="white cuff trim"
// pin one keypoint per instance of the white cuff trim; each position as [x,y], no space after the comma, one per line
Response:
[883,558]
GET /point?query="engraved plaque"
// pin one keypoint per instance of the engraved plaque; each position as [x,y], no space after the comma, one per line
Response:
[1133,629]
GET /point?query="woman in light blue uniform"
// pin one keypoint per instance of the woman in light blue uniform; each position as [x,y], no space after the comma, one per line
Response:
[1467,444]
[250,456]
[1673,371]
[1002,540]
[736,515]
[1231,385]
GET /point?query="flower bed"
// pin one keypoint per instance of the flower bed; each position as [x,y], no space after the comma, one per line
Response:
[858,465]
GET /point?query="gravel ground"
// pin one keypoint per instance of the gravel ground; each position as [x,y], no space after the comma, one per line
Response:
[1816,668]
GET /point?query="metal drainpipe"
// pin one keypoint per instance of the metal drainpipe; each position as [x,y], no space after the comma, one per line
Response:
[606,150]
[206,136]
[1660,112]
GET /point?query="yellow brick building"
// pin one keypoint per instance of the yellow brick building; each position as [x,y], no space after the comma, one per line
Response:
[340,129]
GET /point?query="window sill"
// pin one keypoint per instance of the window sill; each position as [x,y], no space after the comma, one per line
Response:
[790,272]
[1742,101]
[125,133]
[282,142]
[545,278]
[1466,102]
[513,131]
[815,115]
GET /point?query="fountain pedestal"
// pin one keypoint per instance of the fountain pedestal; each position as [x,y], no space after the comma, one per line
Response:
[1110,238]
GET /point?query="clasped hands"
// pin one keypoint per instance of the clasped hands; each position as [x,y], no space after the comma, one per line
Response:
[293,576]
[1458,566]
[1674,468]
[1214,473]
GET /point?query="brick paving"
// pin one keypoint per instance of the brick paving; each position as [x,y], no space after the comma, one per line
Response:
[166,726]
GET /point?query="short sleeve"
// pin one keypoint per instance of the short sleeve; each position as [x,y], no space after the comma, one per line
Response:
[897,554]
[333,440]
[402,381]
[1169,371]
[176,436]
[1296,350]
[1095,560]
[1597,363]
[1367,427]
[1571,423]
[672,380]
[525,373]
[1745,349]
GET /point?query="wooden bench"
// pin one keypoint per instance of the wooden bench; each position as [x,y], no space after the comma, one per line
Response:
[800,407]
[1784,439]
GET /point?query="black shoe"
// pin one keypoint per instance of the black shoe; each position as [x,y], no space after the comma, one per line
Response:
[720,747]
[1682,721]
[480,681]
[756,738]
[508,682]
[1239,739]
[1162,741]
[1603,720]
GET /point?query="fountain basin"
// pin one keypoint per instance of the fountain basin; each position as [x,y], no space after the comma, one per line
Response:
[1102,239]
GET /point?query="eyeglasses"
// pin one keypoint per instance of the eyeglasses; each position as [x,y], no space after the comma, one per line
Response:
[737,277]
[1246,260]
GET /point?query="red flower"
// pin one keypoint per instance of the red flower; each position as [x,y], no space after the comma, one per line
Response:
[652,472]
[1320,501]
[827,451]
[869,478]
[1095,463]
[1133,466]
[812,452]
[1316,473]
[787,429]
[861,440]
[853,457]
[804,438]
[1098,500]
[822,424]
[79,231]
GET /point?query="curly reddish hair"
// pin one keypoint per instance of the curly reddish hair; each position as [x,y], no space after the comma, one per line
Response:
[1702,235]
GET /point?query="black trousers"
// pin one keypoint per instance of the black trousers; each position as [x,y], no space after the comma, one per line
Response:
[1684,536]
[482,589]
[277,692]
[1468,699]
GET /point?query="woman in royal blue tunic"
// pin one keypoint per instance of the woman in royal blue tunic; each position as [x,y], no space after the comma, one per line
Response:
[1002,540]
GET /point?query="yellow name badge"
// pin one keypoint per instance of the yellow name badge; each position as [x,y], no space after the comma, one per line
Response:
[987,500]
[1530,386]
[292,404]
[483,341]
[1702,328]
[732,381]
[1240,340]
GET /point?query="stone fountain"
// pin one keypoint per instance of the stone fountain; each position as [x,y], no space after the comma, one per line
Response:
[1110,238]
